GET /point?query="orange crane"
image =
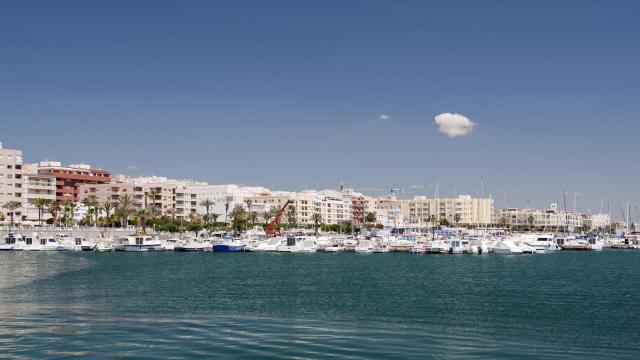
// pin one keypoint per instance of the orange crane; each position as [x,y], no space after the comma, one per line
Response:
[270,229]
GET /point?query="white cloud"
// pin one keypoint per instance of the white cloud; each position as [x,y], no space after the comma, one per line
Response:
[454,125]
[384,117]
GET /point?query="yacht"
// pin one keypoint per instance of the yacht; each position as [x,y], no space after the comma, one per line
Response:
[506,247]
[190,245]
[104,246]
[138,244]
[541,242]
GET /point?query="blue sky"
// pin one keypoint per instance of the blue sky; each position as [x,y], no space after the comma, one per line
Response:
[289,94]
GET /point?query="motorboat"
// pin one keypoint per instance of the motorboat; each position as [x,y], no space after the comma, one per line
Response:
[138,244]
[104,246]
[574,243]
[334,248]
[270,245]
[437,247]
[229,244]
[459,246]
[541,242]
[506,247]
[190,245]
[364,246]
[298,244]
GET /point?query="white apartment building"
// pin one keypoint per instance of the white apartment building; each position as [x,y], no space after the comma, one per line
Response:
[11,179]
[224,197]
[550,218]
[461,210]
[36,186]
[387,209]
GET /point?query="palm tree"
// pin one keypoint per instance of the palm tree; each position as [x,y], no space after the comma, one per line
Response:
[94,207]
[292,217]
[41,204]
[67,210]
[531,219]
[143,215]
[54,209]
[252,217]
[125,209]
[456,218]
[107,207]
[12,206]
[226,209]
[317,220]
[207,203]
[239,216]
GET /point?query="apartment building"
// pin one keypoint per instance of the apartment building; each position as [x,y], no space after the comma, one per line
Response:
[70,178]
[551,218]
[11,179]
[36,186]
[157,196]
[461,210]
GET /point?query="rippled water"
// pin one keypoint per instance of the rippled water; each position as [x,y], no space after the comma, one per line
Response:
[251,305]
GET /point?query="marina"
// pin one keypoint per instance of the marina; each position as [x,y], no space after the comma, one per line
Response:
[299,305]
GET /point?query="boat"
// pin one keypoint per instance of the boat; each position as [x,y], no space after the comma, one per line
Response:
[190,245]
[541,242]
[364,246]
[138,244]
[229,245]
[578,243]
[104,246]
[506,247]
[12,242]
[334,248]
[270,245]
[298,244]
[459,246]
[437,247]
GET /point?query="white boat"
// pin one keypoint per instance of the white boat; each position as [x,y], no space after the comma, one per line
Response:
[573,243]
[596,243]
[12,242]
[191,245]
[334,248]
[541,242]
[298,244]
[138,244]
[506,247]
[364,246]
[479,246]
[459,246]
[437,246]
[270,245]
[104,246]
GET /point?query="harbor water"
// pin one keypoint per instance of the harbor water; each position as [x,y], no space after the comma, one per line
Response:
[563,305]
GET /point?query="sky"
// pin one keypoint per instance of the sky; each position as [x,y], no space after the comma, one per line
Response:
[293,95]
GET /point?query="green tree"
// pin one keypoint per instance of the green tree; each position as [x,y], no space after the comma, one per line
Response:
[143,215]
[41,204]
[67,210]
[530,220]
[370,218]
[54,209]
[239,217]
[253,217]
[317,221]
[107,207]
[12,206]
[444,222]
[292,216]
[456,218]
[125,208]
[207,203]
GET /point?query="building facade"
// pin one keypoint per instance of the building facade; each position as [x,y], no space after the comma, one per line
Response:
[11,180]
[36,186]
[463,210]
[70,178]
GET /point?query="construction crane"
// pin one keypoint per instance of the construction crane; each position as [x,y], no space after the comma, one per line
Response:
[271,225]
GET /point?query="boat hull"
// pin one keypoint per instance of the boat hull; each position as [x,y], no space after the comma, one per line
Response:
[228,248]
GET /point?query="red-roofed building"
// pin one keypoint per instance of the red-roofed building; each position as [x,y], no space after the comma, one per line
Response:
[69,178]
